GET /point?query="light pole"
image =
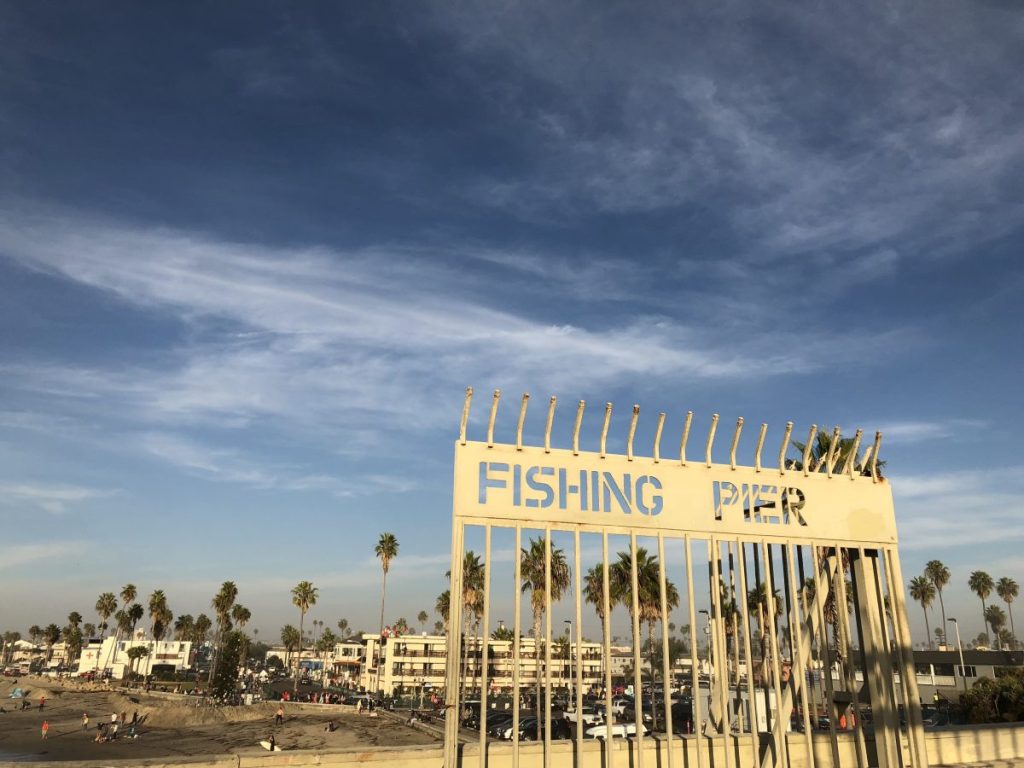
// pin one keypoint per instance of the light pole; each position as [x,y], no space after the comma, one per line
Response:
[960,647]
[569,654]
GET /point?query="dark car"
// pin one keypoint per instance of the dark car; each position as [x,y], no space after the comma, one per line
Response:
[560,729]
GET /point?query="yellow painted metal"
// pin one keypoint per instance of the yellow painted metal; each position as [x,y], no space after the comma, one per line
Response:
[856,512]
[515,485]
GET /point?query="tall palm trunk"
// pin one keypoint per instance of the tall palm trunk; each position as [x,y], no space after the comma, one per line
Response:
[927,628]
[942,606]
[984,620]
[298,659]
[1009,607]
[380,635]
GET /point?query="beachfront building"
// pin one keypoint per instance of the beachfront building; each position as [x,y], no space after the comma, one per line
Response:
[414,664]
[111,653]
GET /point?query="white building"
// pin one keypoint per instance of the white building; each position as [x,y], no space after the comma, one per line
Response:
[111,653]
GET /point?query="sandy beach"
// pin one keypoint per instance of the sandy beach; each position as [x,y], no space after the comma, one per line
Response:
[175,726]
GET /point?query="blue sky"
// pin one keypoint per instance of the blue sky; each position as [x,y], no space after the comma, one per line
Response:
[250,257]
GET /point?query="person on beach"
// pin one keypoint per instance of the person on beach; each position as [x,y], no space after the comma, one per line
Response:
[85,721]
[46,728]
[279,717]
[273,742]
[42,703]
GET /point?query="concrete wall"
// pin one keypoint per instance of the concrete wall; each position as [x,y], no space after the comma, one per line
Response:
[969,744]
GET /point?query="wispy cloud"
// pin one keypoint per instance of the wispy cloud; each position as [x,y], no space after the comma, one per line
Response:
[16,556]
[55,499]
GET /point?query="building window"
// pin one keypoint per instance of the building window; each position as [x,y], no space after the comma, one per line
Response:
[966,671]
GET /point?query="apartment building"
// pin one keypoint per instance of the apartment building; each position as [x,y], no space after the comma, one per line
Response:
[415,663]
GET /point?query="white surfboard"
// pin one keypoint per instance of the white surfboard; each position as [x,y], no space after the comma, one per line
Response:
[266,745]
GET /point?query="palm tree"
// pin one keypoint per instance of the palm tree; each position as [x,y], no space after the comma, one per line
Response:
[51,635]
[593,593]
[442,606]
[648,581]
[290,640]
[135,612]
[35,632]
[422,617]
[939,575]
[343,628]
[472,594]
[184,626]
[439,628]
[128,594]
[89,630]
[222,603]
[996,618]
[157,609]
[201,629]
[535,581]
[241,615]
[304,596]
[818,456]
[982,585]
[923,590]
[386,551]
[106,604]
[1007,589]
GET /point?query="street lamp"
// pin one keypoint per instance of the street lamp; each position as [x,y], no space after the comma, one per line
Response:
[569,654]
[959,646]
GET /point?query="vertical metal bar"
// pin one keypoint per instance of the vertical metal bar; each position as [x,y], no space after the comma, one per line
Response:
[833,452]
[904,752]
[892,646]
[695,705]
[785,447]
[493,416]
[638,691]
[851,459]
[547,646]
[826,652]
[632,432]
[711,439]
[780,723]
[759,447]
[516,643]
[657,437]
[604,428]
[609,717]
[578,666]
[735,442]
[734,626]
[550,421]
[686,436]
[796,650]
[847,654]
[465,415]
[667,694]
[576,427]
[755,740]
[807,449]
[485,646]
[452,710]
[522,420]
[721,653]
[874,462]
[906,655]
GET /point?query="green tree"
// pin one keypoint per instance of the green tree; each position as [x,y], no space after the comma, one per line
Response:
[225,675]
[939,575]
[439,628]
[222,603]
[472,598]
[442,606]
[135,612]
[648,599]
[343,628]
[996,618]
[818,456]
[304,596]
[51,635]
[1007,590]
[503,633]
[535,581]
[201,629]
[982,585]
[290,639]
[184,626]
[386,551]
[89,630]
[422,617]
[128,594]
[35,632]
[135,653]
[72,642]
[923,590]
[106,604]
[593,593]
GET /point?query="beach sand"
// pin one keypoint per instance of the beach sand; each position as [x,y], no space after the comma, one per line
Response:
[173,726]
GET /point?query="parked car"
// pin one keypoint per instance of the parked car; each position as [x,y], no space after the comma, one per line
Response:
[618,730]
[589,715]
[560,729]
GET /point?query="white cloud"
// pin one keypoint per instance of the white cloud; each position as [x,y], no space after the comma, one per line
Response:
[55,499]
[15,556]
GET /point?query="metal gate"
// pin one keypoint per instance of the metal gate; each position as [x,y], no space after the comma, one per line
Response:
[792,569]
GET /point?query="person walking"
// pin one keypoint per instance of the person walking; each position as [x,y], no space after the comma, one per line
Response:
[46,728]
[279,717]
[85,721]
[42,703]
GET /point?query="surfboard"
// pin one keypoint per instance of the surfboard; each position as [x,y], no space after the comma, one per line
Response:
[266,745]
